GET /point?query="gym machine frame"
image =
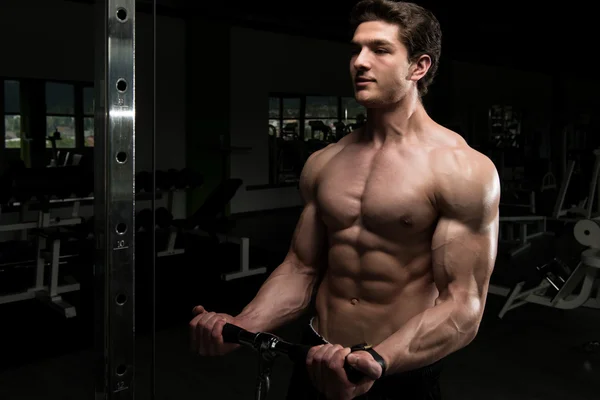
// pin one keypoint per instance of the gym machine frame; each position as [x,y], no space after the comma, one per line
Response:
[48,293]
[584,276]
[114,208]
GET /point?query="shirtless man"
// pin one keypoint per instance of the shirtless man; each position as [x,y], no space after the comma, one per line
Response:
[398,235]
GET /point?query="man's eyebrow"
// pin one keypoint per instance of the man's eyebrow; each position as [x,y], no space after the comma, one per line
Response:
[373,43]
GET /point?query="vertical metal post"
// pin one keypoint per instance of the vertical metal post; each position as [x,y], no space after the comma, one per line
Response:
[114,153]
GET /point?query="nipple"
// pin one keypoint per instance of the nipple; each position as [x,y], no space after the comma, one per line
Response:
[354,302]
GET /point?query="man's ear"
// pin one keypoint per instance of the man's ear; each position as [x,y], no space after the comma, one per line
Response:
[419,68]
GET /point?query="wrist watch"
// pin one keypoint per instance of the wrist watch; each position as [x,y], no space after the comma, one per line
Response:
[369,349]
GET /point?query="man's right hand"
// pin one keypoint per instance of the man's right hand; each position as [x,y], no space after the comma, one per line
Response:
[206,333]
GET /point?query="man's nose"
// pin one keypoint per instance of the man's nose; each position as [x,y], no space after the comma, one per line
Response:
[361,61]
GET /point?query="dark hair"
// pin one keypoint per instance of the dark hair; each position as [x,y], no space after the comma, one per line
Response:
[420,30]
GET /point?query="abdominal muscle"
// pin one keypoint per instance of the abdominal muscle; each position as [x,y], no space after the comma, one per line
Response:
[365,297]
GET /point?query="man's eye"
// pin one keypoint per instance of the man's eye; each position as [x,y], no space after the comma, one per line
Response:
[381,51]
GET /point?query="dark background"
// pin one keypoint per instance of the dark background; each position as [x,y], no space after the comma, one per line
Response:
[220,68]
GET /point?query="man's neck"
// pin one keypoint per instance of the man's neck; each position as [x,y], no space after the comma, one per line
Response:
[398,121]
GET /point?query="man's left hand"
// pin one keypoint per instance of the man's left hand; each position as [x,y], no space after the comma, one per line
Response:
[325,365]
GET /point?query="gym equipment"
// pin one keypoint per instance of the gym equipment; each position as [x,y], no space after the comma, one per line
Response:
[505,127]
[269,347]
[170,249]
[545,196]
[319,130]
[44,184]
[114,150]
[558,284]
[586,207]
[44,218]
[164,221]
[547,187]
[209,220]
[290,157]
[517,216]
[556,273]
[50,293]
[167,181]
[548,182]
[53,139]
[523,239]
[521,200]
[48,233]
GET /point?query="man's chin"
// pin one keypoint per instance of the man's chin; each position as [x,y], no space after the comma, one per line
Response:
[366,100]
[362,98]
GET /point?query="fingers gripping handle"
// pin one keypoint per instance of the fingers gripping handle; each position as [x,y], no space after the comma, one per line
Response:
[297,353]
[353,375]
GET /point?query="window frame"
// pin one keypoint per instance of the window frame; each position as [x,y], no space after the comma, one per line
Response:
[281,118]
[303,121]
[79,112]
[5,113]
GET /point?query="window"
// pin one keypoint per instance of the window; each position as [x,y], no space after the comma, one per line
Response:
[274,116]
[321,116]
[301,125]
[285,125]
[351,109]
[12,115]
[352,112]
[284,117]
[60,114]
[67,108]
[88,116]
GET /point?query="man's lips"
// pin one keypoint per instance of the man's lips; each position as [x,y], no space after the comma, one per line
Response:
[363,82]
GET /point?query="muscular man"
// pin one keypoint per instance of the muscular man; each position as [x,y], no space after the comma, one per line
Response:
[398,234]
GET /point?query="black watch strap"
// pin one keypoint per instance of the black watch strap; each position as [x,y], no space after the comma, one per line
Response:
[369,349]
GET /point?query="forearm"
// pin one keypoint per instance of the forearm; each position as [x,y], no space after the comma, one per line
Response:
[430,336]
[284,296]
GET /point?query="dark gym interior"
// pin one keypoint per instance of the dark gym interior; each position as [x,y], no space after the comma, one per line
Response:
[516,82]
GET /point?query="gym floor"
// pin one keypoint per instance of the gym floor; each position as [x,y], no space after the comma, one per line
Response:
[533,353]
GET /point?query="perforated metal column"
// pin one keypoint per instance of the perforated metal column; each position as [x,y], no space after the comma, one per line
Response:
[114,142]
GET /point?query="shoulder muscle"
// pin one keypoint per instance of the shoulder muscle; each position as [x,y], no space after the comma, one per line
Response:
[467,185]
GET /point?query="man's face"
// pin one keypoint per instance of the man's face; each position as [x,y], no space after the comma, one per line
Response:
[379,66]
